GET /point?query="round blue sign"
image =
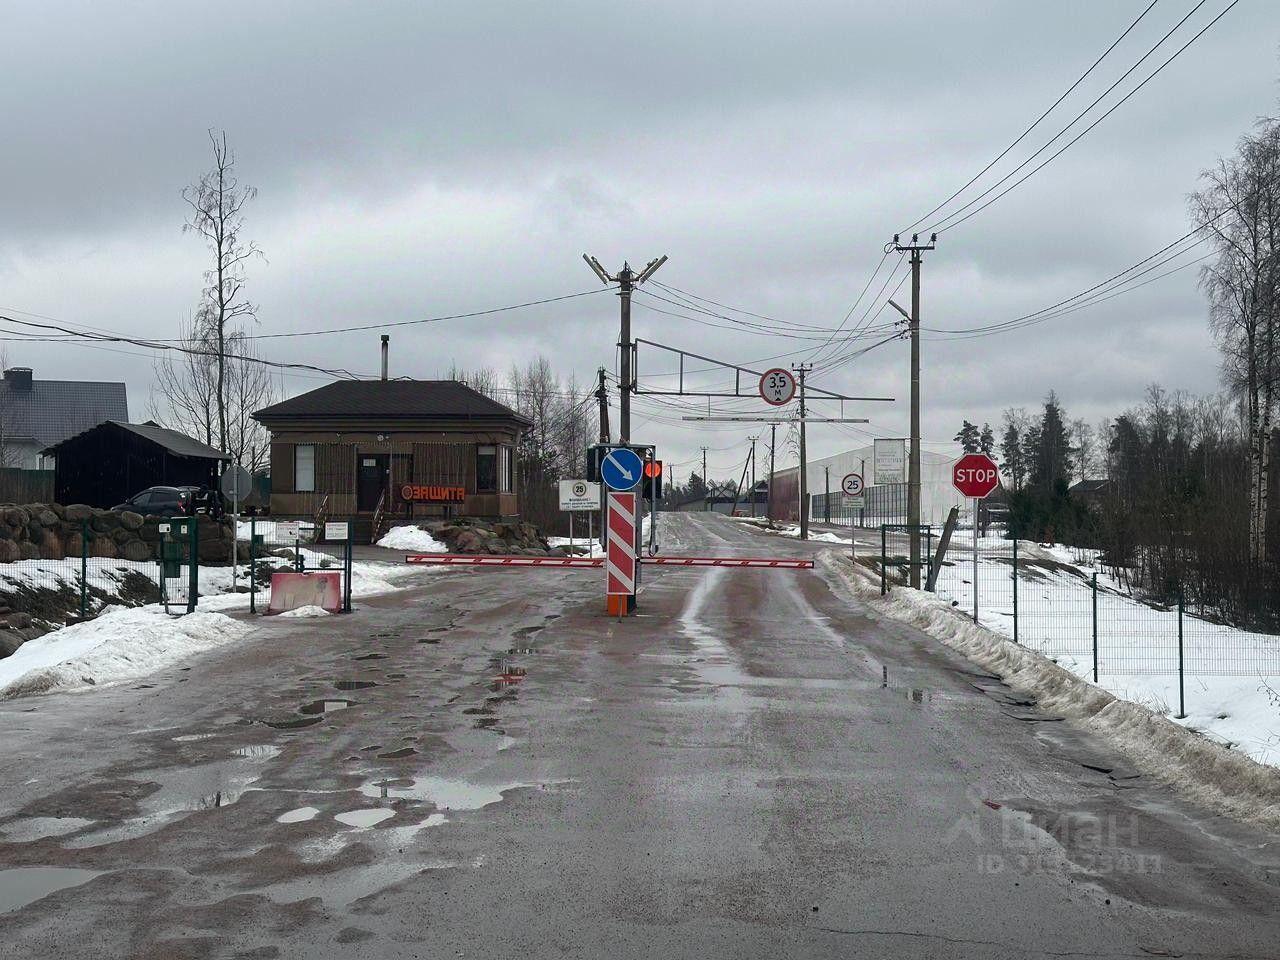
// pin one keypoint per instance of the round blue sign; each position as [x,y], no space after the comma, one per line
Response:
[621,469]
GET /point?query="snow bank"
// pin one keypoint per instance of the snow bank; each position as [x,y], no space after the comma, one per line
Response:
[122,643]
[414,539]
[309,610]
[1200,769]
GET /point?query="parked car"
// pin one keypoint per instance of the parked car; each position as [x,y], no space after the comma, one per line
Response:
[174,502]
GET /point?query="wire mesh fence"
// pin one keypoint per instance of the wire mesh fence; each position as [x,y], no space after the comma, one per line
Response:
[296,546]
[1070,605]
[886,503]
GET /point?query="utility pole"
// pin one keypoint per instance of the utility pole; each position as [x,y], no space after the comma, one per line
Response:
[753,476]
[602,395]
[801,369]
[826,497]
[706,486]
[773,437]
[627,280]
[915,248]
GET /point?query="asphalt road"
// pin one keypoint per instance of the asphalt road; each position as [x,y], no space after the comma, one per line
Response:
[750,767]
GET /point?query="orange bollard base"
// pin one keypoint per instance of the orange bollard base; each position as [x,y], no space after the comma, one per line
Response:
[616,605]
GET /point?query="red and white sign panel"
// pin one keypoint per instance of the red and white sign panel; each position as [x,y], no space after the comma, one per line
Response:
[975,475]
[620,553]
[777,387]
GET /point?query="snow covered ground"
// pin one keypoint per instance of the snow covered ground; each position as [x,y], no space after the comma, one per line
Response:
[127,643]
[1232,676]
[412,539]
[1198,766]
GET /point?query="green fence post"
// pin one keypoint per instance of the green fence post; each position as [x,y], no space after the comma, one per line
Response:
[346,576]
[1015,589]
[1095,626]
[253,571]
[884,587]
[1182,693]
[84,569]
[193,564]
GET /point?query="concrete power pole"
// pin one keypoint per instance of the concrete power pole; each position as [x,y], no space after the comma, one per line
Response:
[915,248]
[627,280]
[773,437]
[753,476]
[602,395]
[706,486]
[801,369]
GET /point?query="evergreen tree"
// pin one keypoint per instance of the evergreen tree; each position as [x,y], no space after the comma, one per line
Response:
[968,437]
[1049,445]
[987,441]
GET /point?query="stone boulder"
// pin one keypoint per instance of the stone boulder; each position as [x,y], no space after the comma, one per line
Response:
[130,520]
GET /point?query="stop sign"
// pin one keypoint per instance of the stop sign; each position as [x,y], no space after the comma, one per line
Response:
[975,475]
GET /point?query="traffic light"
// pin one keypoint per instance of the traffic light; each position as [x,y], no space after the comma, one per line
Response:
[652,480]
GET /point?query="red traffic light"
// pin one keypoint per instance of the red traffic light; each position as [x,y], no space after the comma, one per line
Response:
[653,468]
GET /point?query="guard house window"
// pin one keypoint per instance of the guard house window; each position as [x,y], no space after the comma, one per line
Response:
[486,469]
[505,478]
[304,468]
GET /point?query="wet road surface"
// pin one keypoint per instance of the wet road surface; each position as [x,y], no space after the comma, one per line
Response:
[486,765]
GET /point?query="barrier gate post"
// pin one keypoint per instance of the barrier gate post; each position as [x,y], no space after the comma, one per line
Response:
[620,551]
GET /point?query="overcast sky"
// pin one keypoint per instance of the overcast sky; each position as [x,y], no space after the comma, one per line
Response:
[415,160]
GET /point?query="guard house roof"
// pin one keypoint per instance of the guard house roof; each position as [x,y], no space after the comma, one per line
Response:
[48,411]
[179,444]
[392,400]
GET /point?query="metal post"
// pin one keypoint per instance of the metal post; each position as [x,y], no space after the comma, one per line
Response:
[1182,692]
[884,587]
[591,537]
[773,436]
[1095,626]
[826,494]
[862,510]
[84,569]
[253,573]
[346,574]
[571,531]
[753,478]
[193,564]
[1015,589]
[975,559]
[801,369]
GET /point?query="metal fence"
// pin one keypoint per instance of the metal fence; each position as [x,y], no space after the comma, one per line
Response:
[1067,604]
[886,503]
[297,546]
[895,554]
[77,570]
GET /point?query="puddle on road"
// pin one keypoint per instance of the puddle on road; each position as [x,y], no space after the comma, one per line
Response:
[364,818]
[300,815]
[25,885]
[260,752]
[345,887]
[372,656]
[37,828]
[443,792]
[354,684]
[192,737]
[292,723]
[401,754]
[324,706]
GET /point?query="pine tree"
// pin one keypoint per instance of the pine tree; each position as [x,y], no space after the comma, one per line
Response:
[987,441]
[968,437]
[1011,454]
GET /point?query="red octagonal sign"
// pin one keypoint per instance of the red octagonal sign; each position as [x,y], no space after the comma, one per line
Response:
[975,475]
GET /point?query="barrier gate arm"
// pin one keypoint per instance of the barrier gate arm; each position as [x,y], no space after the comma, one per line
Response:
[498,560]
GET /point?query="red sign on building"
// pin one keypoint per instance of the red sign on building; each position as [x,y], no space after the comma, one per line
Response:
[431,493]
[975,475]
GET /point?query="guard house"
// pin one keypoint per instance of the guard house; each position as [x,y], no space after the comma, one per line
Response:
[371,451]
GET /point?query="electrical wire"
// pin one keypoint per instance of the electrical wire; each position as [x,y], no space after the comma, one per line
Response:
[1035,123]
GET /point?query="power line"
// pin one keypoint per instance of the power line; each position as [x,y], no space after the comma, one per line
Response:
[939,226]
[1035,123]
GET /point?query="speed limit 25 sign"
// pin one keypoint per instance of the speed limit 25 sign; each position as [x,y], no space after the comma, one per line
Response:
[777,387]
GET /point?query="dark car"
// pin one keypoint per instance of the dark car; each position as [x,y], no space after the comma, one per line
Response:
[163,502]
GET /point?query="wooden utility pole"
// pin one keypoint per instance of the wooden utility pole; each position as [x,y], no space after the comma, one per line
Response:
[602,395]
[915,248]
[706,485]
[627,280]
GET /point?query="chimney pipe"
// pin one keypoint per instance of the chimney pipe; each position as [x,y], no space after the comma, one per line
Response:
[385,340]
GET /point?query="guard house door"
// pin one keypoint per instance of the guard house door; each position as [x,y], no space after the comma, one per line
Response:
[372,474]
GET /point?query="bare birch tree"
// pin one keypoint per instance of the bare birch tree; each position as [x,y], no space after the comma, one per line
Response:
[217,201]
[1237,210]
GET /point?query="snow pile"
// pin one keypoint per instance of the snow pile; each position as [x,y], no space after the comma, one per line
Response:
[413,539]
[122,643]
[1205,771]
[310,610]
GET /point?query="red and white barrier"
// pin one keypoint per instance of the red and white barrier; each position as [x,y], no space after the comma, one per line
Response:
[468,560]
[620,551]
[488,560]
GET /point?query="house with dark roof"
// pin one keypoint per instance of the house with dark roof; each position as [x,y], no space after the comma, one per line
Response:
[110,462]
[376,450]
[38,414]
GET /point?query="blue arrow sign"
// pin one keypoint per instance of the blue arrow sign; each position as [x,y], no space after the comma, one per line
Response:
[621,469]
